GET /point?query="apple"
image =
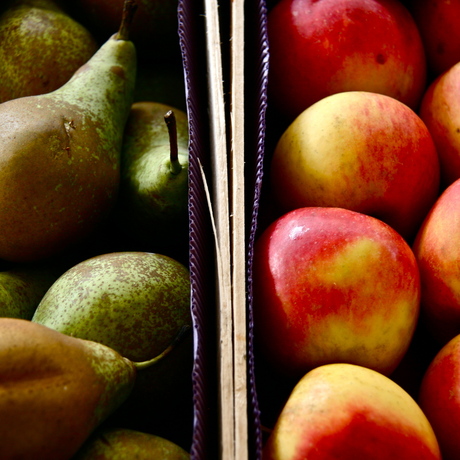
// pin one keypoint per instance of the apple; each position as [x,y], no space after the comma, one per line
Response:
[437,252]
[333,285]
[438,22]
[350,412]
[440,398]
[319,48]
[362,151]
[440,111]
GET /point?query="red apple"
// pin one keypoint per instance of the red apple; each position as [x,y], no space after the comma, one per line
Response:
[348,412]
[362,151]
[437,251]
[440,398]
[438,22]
[440,110]
[318,48]
[333,285]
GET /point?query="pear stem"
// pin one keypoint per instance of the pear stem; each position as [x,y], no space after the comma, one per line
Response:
[129,8]
[170,120]
[151,362]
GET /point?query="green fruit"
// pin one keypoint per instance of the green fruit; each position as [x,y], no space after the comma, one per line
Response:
[60,155]
[33,59]
[55,390]
[23,287]
[133,302]
[152,206]
[123,444]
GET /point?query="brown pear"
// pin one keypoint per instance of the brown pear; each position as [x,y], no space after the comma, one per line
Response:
[60,153]
[55,390]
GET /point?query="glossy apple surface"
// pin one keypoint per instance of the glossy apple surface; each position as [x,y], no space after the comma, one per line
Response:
[318,48]
[437,251]
[440,111]
[440,398]
[438,22]
[348,412]
[362,151]
[333,285]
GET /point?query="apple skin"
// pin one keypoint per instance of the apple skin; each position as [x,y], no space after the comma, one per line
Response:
[438,22]
[350,412]
[439,397]
[333,285]
[440,111]
[437,252]
[318,48]
[362,151]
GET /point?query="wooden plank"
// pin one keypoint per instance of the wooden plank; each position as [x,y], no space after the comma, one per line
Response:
[237,134]
[221,215]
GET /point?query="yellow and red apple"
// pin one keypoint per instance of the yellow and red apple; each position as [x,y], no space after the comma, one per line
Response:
[362,151]
[318,48]
[333,285]
[438,22]
[440,111]
[350,412]
[440,398]
[437,251]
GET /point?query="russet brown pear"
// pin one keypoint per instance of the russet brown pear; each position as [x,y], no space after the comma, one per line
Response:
[60,154]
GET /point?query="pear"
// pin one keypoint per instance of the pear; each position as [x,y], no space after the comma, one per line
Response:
[55,389]
[123,443]
[22,288]
[33,59]
[133,302]
[60,153]
[152,206]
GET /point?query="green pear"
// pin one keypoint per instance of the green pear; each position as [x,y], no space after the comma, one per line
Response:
[152,206]
[33,59]
[135,303]
[60,153]
[22,288]
[55,389]
[123,443]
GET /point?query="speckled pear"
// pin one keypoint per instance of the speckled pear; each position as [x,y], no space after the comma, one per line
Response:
[60,154]
[33,59]
[22,287]
[134,302]
[55,390]
[121,444]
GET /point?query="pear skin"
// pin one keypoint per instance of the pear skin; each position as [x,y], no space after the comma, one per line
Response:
[33,59]
[152,206]
[55,390]
[122,444]
[60,156]
[135,303]
[23,287]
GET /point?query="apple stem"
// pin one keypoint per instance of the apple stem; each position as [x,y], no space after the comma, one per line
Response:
[129,8]
[170,120]
[139,365]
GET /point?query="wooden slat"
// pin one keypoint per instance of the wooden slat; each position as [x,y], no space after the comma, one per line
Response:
[221,215]
[238,228]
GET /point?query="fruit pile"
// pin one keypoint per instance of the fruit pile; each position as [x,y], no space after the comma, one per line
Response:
[96,350]
[356,261]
